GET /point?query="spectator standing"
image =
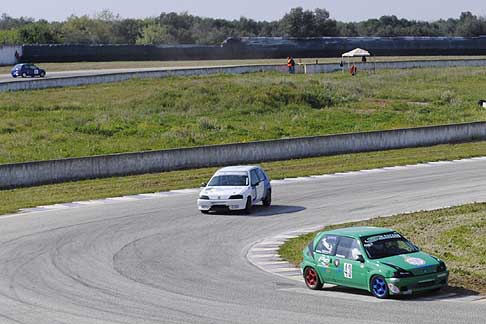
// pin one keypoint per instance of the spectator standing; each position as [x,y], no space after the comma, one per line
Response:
[291,64]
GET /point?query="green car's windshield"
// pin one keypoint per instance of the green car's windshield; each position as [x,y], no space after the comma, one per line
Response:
[386,245]
[229,180]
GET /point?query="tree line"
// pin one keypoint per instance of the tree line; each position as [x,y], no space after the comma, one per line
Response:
[183,28]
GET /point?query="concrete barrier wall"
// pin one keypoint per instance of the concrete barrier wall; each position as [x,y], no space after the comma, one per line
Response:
[104,77]
[43,172]
[7,54]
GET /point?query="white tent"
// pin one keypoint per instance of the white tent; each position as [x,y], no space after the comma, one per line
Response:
[348,58]
[357,52]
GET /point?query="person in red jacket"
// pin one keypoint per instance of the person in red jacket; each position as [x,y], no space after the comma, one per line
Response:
[291,64]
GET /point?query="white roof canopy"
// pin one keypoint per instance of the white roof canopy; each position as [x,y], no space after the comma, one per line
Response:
[357,52]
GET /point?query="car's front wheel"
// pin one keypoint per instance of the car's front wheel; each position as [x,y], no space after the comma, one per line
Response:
[267,201]
[312,279]
[24,75]
[248,206]
[379,288]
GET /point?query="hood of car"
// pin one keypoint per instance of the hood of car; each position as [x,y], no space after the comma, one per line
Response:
[222,192]
[418,263]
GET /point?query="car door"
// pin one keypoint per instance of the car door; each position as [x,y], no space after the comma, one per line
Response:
[257,186]
[35,70]
[349,271]
[324,255]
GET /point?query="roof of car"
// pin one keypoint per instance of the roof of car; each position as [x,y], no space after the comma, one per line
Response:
[238,168]
[359,231]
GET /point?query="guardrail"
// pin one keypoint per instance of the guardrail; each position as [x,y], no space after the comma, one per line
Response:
[105,77]
[55,171]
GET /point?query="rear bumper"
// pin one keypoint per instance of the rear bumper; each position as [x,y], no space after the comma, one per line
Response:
[230,204]
[407,286]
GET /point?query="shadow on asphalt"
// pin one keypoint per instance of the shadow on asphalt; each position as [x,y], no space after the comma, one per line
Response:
[262,211]
[445,293]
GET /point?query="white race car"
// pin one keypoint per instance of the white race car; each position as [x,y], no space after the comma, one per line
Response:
[235,188]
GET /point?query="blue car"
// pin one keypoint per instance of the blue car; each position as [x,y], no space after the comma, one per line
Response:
[27,69]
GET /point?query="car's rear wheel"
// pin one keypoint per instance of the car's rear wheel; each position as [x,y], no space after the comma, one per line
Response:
[312,279]
[42,74]
[267,201]
[379,288]
[248,206]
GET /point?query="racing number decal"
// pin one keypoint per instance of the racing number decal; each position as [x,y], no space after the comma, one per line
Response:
[36,71]
[348,270]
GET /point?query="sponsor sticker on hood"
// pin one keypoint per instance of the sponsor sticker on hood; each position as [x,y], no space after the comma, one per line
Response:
[414,261]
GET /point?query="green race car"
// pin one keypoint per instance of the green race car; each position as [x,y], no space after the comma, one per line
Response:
[379,260]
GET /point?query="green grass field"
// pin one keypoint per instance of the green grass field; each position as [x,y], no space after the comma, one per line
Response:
[456,235]
[188,111]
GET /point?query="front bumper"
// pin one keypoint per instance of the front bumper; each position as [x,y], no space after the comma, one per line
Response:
[407,286]
[228,204]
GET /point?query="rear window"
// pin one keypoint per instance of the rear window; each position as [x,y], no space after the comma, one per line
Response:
[327,245]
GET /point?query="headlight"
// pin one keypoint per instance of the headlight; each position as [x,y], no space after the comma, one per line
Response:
[203,197]
[399,273]
[442,266]
[236,197]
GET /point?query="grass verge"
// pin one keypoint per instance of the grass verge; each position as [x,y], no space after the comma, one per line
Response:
[457,235]
[139,115]
[12,200]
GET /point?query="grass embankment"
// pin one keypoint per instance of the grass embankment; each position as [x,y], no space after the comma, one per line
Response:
[457,235]
[12,200]
[73,66]
[179,112]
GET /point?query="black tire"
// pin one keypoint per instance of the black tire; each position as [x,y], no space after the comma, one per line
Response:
[248,206]
[42,74]
[311,278]
[24,75]
[267,201]
[379,288]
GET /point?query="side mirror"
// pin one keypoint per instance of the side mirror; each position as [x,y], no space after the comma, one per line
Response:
[204,184]
[360,258]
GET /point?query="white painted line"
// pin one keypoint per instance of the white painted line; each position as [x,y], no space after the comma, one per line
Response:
[264,256]
[56,206]
[267,263]
[271,242]
[264,249]
[126,198]
[186,191]
[440,162]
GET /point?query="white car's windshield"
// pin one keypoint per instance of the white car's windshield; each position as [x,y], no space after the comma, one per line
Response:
[386,245]
[229,180]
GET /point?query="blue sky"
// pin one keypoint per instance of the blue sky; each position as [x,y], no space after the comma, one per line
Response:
[344,10]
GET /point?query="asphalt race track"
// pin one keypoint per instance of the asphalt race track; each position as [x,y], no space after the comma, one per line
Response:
[160,261]
[80,73]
